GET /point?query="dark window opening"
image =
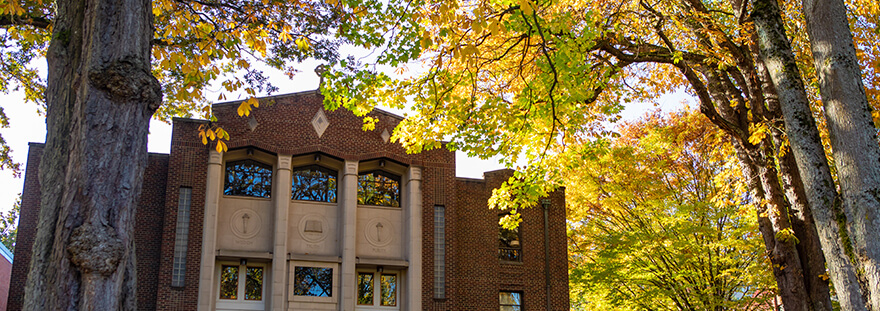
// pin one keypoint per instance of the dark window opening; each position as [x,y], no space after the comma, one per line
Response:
[379,188]
[248,178]
[312,281]
[509,246]
[313,183]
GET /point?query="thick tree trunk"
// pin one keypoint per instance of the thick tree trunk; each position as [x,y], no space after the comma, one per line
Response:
[853,134]
[100,97]
[806,145]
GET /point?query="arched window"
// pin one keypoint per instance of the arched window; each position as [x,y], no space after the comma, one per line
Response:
[313,183]
[379,188]
[248,178]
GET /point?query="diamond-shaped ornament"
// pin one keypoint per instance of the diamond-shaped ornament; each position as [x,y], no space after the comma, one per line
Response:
[385,135]
[320,122]
[252,123]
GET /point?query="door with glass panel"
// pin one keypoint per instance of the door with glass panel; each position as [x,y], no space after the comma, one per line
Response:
[378,290]
[241,286]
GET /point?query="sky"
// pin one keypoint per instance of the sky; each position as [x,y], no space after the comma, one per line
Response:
[26,125]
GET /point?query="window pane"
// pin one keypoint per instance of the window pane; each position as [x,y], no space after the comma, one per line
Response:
[229,282]
[248,178]
[510,301]
[181,236]
[365,288]
[310,281]
[379,188]
[253,286]
[509,247]
[389,289]
[313,183]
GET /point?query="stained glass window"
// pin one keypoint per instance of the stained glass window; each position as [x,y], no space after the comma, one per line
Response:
[365,288]
[389,289]
[248,178]
[253,286]
[313,183]
[379,188]
[229,282]
[312,281]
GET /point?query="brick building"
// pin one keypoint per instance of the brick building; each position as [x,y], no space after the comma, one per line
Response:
[308,212]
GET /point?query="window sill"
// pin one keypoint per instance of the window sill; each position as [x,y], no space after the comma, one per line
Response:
[509,262]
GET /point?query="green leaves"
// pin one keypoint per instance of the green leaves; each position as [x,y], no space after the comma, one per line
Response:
[646,231]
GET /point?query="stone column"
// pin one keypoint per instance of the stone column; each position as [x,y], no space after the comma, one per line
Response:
[209,234]
[281,200]
[413,218]
[348,225]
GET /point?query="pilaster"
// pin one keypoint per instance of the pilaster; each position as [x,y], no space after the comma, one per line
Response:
[348,203]
[209,235]
[414,245]
[281,201]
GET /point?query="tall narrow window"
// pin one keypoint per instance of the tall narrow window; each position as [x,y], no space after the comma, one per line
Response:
[509,247]
[439,252]
[181,236]
[365,288]
[388,289]
[379,188]
[510,301]
[248,178]
[313,183]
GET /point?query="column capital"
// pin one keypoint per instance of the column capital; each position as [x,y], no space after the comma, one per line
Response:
[284,162]
[414,173]
[215,157]
[351,167]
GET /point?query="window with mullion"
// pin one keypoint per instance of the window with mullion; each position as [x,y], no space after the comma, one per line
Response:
[510,301]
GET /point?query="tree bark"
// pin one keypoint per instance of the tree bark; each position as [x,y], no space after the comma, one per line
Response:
[853,133]
[803,135]
[100,96]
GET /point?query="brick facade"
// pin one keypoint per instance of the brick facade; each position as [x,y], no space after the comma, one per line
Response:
[474,274]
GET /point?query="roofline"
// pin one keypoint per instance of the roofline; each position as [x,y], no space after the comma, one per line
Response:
[309,92]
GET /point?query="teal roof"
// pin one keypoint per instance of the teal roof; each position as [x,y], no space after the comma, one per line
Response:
[6,252]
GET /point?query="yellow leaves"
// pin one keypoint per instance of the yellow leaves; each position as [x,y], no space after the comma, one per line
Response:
[757,132]
[244,109]
[369,124]
[526,7]
[216,133]
[285,33]
[303,43]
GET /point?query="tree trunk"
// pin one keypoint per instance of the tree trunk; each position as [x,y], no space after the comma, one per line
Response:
[100,97]
[853,134]
[806,146]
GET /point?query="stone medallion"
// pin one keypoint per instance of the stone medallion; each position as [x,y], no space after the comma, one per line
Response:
[313,228]
[245,223]
[379,232]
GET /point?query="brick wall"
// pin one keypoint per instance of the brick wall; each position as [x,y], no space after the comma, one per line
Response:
[187,167]
[482,275]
